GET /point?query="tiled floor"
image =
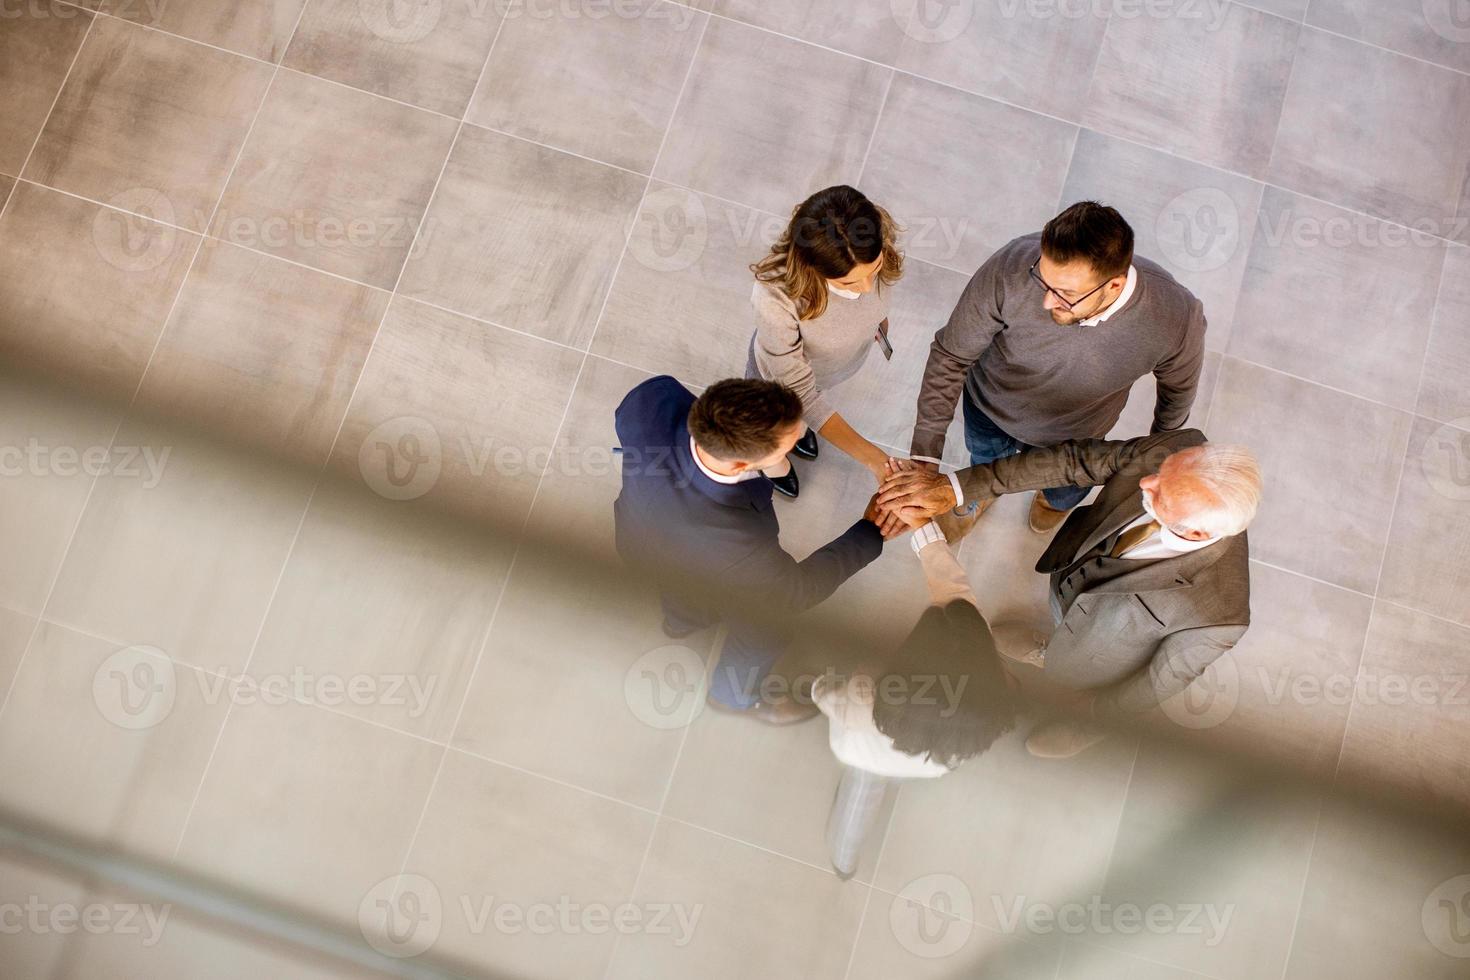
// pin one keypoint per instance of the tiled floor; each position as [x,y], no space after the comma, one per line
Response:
[390,264]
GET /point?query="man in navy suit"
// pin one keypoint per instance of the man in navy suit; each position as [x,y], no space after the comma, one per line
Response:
[695,513]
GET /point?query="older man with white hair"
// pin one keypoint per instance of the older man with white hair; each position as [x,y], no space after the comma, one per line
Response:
[1149,584]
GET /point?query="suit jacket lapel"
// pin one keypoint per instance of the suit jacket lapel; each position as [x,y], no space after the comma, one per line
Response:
[1082,532]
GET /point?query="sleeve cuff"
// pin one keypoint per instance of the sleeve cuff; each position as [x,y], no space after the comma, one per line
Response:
[926,459]
[959,494]
[925,536]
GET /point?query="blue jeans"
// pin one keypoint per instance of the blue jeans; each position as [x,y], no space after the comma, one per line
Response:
[749,653]
[987,443]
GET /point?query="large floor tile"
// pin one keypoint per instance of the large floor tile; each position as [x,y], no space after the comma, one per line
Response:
[952,219]
[1422,567]
[1384,899]
[1337,298]
[1284,692]
[144,113]
[86,290]
[1434,30]
[1193,220]
[1009,51]
[1346,105]
[681,302]
[54,442]
[399,636]
[881,402]
[1084,959]
[1208,88]
[1012,828]
[335,179]
[597,85]
[15,635]
[6,185]
[107,742]
[524,236]
[307,806]
[740,932]
[572,625]
[181,551]
[1216,862]
[478,436]
[1330,464]
[872,29]
[26,879]
[36,49]
[1443,393]
[429,58]
[1409,721]
[744,132]
[493,839]
[258,28]
[264,351]
[1290,9]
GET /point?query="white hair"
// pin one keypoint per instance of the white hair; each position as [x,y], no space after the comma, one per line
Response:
[1231,475]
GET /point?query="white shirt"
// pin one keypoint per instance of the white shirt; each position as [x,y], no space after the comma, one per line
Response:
[719,477]
[1154,546]
[855,739]
[1118,303]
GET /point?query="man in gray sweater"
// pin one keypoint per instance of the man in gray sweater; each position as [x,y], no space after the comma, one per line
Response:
[1047,340]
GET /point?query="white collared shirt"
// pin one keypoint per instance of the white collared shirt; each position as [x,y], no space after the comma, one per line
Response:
[1118,303]
[719,477]
[1154,546]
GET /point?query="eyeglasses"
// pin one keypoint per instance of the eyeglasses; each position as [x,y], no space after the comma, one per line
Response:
[1067,304]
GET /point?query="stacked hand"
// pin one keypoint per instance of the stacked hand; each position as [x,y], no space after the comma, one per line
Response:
[912,493]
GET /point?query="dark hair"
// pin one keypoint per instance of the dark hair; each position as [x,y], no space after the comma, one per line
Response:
[742,418]
[958,701]
[830,233]
[1092,231]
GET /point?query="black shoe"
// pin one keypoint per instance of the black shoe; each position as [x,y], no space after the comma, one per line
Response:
[806,446]
[788,485]
[674,634]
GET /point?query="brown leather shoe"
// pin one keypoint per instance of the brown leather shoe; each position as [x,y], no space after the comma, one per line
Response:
[786,711]
[956,526]
[1044,517]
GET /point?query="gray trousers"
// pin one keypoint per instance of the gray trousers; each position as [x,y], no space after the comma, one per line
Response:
[855,808]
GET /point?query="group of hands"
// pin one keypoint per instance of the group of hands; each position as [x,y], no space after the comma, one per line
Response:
[910,494]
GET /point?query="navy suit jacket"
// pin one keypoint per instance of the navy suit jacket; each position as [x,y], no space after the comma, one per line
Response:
[714,542]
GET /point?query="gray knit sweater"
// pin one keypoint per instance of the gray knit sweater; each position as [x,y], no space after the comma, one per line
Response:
[1043,383]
